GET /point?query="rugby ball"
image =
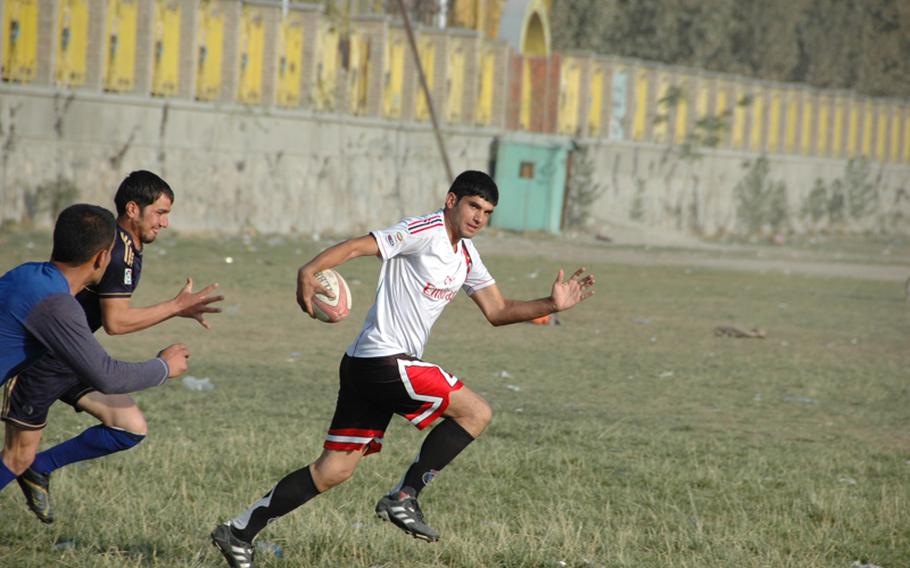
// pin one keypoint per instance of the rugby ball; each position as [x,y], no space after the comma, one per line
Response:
[331,310]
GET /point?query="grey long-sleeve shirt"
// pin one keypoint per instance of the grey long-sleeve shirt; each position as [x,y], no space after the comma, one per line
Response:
[38,315]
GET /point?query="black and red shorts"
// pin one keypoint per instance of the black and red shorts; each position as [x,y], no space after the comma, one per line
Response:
[373,389]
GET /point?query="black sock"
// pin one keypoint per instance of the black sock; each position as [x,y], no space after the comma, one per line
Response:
[440,447]
[291,492]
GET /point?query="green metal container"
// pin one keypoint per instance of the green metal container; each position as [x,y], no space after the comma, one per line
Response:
[531,175]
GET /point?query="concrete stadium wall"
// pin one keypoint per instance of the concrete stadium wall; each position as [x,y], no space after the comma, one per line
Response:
[659,186]
[232,167]
[236,167]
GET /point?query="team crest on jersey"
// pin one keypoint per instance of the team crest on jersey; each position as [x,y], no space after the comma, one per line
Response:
[399,236]
[128,276]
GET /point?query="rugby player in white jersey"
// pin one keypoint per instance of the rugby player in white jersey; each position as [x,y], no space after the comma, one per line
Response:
[425,261]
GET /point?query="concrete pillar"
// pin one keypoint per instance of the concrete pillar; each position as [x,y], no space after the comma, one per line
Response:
[189,49]
[879,149]
[311,15]
[899,120]
[438,92]
[94,50]
[471,86]
[586,68]
[684,125]
[2,19]
[840,103]
[375,32]
[651,104]
[145,47]
[810,104]
[723,89]
[501,57]
[230,50]
[410,83]
[271,14]
[47,42]
[606,115]
[754,124]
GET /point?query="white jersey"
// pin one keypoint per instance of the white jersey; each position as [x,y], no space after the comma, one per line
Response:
[420,275]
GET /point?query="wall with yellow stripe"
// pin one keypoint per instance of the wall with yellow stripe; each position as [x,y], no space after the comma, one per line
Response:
[249,53]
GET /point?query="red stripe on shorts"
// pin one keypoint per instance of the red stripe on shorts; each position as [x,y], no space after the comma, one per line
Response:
[430,384]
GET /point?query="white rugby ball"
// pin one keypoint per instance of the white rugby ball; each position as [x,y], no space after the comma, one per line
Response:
[332,310]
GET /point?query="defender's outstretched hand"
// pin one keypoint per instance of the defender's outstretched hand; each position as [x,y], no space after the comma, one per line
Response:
[175,357]
[567,293]
[195,305]
[307,286]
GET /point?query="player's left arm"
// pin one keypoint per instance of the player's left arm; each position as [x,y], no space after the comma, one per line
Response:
[119,317]
[565,294]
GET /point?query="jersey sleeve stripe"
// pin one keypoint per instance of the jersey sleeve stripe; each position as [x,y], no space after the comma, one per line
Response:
[422,229]
[430,219]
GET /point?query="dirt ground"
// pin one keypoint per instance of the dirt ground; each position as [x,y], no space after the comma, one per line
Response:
[868,260]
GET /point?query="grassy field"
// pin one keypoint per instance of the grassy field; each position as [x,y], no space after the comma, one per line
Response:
[628,436]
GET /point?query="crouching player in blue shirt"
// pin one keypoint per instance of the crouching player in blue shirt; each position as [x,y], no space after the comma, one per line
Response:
[39,315]
[144,202]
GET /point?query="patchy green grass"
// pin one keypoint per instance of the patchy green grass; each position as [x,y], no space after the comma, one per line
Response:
[628,436]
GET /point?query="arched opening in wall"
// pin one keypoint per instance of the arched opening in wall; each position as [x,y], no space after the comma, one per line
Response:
[535,38]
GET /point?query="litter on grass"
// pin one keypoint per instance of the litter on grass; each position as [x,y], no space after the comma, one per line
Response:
[269,548]
[504,375]
[801,399]
[198,385]
[730,331]
[550,319]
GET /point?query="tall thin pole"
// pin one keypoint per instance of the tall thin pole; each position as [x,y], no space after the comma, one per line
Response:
[426,91]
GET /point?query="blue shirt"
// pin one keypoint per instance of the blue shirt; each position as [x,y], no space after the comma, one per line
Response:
[22,289]
[38,315]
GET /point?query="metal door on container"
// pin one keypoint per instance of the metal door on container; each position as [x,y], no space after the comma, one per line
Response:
[525,175]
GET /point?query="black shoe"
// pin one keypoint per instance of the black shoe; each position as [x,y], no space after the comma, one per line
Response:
[36,487]
[404,512]
[238,553]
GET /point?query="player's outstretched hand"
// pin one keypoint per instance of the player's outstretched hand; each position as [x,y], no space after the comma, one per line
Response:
[567,293]
[175,357]
[196,304]
[307,286]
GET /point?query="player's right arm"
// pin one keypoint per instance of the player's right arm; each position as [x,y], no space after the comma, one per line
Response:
[59,323]
[336,255]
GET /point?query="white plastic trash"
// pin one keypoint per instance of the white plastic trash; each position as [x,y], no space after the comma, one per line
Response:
[198,385]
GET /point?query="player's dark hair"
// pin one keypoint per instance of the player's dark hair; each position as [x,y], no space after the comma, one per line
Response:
[472,182]
[144,188]
[81,231]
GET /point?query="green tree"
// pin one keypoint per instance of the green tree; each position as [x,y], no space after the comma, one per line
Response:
[862,45]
